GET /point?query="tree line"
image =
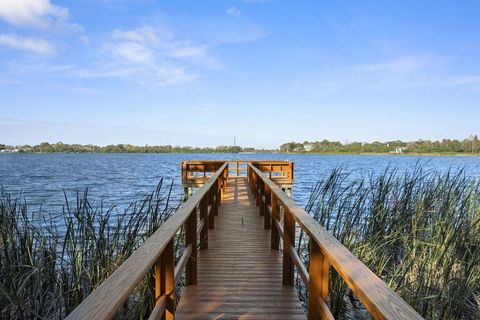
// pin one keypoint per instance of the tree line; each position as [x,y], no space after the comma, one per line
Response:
[60,147]
[470,145]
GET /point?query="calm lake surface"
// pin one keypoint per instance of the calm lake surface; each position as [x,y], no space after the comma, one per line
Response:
[119,178]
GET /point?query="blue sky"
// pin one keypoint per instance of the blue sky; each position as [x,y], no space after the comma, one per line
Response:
[200,72]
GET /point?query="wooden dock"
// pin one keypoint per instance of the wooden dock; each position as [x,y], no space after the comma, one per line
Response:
[239,276]
[239,259]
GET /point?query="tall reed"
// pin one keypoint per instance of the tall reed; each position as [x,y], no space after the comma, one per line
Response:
[47,266]
[418,230]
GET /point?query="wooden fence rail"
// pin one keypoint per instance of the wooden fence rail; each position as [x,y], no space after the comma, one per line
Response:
[325,251]
[157,252]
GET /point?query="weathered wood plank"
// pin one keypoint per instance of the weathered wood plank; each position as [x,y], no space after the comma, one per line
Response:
[239,276]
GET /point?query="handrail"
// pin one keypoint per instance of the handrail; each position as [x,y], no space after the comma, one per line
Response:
[282,167]
[381,301]
[157,251]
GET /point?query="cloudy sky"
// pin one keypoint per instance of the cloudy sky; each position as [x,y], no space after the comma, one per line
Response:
[266,71]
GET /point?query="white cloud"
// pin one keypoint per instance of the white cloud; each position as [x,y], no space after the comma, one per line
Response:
[132,52]
[147,43]
[233,11]
[143,35]
[419,71]
[41,46]
[400,65]
[154,55]
[187,51]
[150,54]
[34,13]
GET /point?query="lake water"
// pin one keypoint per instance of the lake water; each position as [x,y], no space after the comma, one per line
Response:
[120,178]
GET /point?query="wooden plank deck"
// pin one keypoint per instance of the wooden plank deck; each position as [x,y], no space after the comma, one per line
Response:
[239,276]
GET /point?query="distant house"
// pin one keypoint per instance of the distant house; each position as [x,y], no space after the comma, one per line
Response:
[308,146]
[399,150]
[14,150]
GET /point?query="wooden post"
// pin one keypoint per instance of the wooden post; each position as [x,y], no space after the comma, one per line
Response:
[274,235]
[204,217]
[213,208]
[191,239]
[184,172]
[266,218]
[261,200]
[164,280]
[238,169]
[224,181]
[252,183]
[288,240]
[318,283]
[292,170]
[218,194]
[257,189]
[249,175]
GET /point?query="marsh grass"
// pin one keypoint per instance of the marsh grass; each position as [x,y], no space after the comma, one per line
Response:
[418,230]
[47,266]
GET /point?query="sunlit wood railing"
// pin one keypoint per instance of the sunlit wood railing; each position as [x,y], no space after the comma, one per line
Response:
[195,215]
[281,215]
[325,252]
[196,172]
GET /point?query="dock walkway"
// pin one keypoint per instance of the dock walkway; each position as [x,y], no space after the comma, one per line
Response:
[239,276]
[237,233]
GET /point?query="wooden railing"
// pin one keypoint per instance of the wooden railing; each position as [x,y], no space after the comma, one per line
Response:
[196,172]
[325,252]
[195,215]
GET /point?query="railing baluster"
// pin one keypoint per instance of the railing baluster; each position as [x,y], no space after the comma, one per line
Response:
[218,196]
[213,206]
[253,184]
[261,199]
[191,239]
[164,280]
[288,239]
[204,217]
[274,236]
[267,218]
[318,283]
[224,181]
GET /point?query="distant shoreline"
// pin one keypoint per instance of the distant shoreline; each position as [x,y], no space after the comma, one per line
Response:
[433,154]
